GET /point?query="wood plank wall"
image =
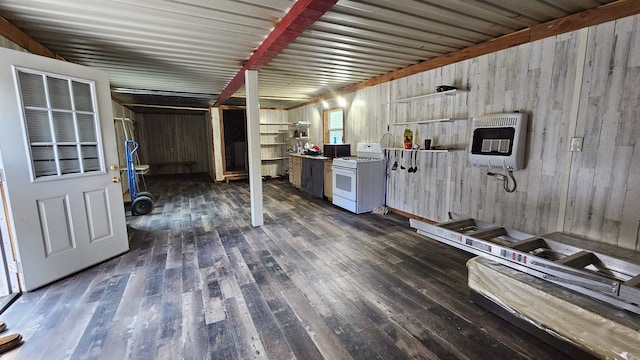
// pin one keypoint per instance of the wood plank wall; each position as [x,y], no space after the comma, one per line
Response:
[312,113]
[6,43]
[174,137]
[604,192]
[583,83]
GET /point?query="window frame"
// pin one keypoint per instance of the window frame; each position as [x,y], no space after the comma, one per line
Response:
[326,114]
[79,144]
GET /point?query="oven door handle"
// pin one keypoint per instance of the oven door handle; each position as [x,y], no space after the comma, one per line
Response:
[343,170]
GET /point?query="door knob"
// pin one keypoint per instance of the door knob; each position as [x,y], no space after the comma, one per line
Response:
[113,167]
[116,179]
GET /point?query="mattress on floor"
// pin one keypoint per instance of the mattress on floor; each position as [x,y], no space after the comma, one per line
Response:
[594,326]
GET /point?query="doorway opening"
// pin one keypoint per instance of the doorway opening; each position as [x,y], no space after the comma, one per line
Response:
[234,141]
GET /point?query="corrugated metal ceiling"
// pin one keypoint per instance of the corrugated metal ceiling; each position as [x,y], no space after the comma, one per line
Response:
[152,48]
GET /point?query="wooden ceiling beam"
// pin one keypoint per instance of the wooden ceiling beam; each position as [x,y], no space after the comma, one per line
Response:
[25,41]
[301,15]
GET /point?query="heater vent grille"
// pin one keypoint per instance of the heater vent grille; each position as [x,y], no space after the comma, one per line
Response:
[497,141]
[498,121]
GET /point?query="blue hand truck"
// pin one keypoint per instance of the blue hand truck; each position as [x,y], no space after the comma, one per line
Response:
[142,203]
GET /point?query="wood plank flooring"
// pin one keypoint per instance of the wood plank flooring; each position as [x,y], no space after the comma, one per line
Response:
[315,282]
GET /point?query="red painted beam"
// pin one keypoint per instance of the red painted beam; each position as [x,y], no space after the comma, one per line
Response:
[301,15]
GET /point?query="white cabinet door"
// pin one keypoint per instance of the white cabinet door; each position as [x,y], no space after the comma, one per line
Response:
[57,146]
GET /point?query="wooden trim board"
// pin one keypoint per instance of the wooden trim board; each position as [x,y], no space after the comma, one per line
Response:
[25,41]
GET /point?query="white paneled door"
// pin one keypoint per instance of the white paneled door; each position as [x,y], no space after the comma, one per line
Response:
[57,148]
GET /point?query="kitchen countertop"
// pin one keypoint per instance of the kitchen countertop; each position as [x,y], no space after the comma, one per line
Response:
[315,157]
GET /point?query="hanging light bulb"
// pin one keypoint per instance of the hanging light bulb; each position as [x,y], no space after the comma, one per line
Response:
[341,101]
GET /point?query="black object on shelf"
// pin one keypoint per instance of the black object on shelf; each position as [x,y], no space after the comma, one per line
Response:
[442,88]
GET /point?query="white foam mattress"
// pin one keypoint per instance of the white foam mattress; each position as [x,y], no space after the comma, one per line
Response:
[589,324]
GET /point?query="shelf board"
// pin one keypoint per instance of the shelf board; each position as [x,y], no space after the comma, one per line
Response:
[277,143]
[276,123]
[424,122]
[423,150]
[272,132]
[426,96]
[274,158]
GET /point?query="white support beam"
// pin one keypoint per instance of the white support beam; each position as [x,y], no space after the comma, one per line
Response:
[253,140]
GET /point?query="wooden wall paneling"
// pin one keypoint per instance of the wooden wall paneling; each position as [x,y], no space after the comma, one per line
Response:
[545,120]
[366,116]
[312,113]
[604,177]
[483,197]
[607,182]
[590,125]
[174,138]
[6,43]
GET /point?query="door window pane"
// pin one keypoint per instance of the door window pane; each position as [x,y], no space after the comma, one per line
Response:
[86,128]
[38,125]
[69,159]
[32,88]
[61,125]
[82,98]
[90,159]
[44,160]
[59,93]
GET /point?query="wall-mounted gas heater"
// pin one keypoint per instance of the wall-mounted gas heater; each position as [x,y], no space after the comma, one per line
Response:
[498,141]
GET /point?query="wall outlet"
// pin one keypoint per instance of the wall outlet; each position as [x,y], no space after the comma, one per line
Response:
[576,144]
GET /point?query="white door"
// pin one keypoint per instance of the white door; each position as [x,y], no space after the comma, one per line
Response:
[57,146]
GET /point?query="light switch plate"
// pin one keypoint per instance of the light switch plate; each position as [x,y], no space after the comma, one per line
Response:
[576,143]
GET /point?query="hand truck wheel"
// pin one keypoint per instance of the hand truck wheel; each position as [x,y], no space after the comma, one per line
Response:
[142,205]
[147,194]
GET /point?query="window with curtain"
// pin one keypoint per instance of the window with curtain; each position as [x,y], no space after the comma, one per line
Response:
[61,123]
[334,126]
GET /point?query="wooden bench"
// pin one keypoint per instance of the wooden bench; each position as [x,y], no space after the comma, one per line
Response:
[187,163]
[241,176]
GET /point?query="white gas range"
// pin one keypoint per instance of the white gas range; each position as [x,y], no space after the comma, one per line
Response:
[358,182]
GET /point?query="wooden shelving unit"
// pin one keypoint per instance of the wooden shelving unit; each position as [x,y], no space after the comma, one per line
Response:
[430,150]
[428,96]
[273,148]
[450,95]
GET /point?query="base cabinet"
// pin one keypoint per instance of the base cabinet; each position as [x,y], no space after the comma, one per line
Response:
[295,171]
[328,181]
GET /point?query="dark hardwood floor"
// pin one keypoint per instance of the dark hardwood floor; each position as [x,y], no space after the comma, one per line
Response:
[315,282]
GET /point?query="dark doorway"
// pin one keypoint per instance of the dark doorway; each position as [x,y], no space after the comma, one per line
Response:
[234,139]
